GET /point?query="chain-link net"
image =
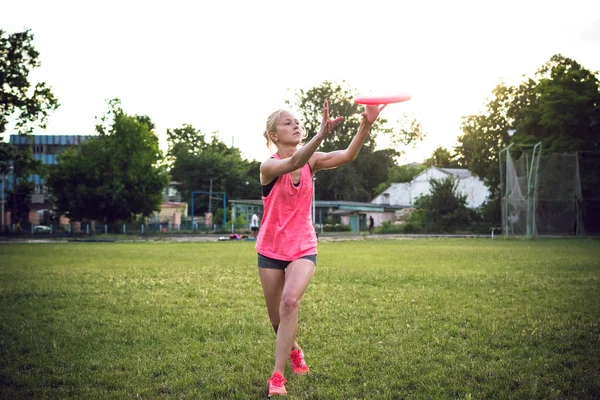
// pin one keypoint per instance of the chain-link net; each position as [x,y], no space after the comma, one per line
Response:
[558,196]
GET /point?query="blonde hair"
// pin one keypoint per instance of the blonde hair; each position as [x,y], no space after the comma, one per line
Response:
[271,126]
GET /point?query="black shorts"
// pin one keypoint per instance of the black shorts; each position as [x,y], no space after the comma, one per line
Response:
[254,229]
[271,263]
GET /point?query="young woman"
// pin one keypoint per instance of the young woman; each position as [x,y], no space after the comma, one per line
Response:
[287,242]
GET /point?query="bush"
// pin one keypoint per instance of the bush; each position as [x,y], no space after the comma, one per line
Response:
[444,210]
[336,228]
[409,227]
[389,228]
[241,221]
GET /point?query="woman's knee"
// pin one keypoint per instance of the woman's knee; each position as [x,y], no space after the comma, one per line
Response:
[289,305]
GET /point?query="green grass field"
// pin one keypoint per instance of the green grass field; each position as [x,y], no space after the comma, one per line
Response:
[397,319]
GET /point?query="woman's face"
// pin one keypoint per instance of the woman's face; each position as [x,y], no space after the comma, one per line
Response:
[288,129]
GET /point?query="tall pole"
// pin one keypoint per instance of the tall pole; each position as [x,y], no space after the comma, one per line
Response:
[314,191]
[210,197]
[2,228]
[225,210]
[13,213]
[192,207]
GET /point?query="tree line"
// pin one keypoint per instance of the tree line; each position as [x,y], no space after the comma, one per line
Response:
[119,173]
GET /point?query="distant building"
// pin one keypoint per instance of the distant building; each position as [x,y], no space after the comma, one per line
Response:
[44,148]
[172,209]
[405,194]
[171,192]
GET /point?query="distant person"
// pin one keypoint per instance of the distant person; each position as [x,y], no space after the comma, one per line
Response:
[254,224]
[371,224]
[287,242]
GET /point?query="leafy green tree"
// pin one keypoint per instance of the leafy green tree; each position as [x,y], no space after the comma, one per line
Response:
[198,163]
[7,157]
[442,158]
[444,210]
[484,135]
[400,174]
[19,102]
[557,106]
[405,173]
[358,180]
[407,131]
[185,139]
[26,106]
[114,176]
[561,108]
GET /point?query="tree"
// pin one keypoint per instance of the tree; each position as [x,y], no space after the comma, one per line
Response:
[559,106]
[18,100]
[199,163]
[358,180]
[444,209]
[185,139]
[442,158]
[408,131]
[400,174]
[114,176]
[563,112]
[484,135]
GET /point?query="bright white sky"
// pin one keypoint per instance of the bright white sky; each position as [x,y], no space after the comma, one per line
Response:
[225,65]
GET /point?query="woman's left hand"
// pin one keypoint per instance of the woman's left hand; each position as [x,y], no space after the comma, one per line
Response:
[372,112]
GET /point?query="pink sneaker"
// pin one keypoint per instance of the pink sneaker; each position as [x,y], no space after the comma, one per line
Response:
[276,385]
[298,364]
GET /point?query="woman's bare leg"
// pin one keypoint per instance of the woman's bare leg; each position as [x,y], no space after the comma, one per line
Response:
[297,277]
[273,281]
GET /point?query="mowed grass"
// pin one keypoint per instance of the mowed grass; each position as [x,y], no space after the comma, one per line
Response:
[397,319]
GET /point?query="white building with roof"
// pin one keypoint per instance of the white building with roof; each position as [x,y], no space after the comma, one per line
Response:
[405,194]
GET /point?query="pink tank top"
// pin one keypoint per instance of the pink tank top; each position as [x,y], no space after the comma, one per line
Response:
[287,232]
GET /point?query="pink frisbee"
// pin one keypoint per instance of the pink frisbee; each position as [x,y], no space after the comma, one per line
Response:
[371,100]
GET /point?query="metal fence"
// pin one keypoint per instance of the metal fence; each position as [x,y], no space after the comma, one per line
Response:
[95,229]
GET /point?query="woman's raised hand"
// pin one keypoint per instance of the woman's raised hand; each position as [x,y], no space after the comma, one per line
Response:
[327,124]
[372,112]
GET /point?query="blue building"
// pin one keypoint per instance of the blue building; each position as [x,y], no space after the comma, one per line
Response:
[45,148]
